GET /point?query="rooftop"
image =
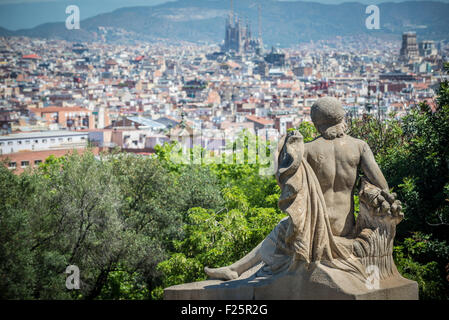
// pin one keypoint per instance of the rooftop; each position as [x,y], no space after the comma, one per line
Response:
[58,109]
[147,122]
[40,134]
[259,120]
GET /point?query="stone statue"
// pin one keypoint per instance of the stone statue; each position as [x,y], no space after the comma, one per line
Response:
[320,251]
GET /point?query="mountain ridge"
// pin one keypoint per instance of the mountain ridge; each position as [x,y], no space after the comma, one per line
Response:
[284,23]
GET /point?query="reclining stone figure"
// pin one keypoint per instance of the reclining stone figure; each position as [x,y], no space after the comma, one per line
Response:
[320,251]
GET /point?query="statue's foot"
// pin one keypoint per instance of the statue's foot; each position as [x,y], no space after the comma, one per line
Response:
[223,273]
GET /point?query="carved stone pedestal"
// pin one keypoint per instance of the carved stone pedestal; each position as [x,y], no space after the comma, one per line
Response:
[315,283]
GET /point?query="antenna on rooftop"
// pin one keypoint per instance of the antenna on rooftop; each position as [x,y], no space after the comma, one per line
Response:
[231,14]
[259,21]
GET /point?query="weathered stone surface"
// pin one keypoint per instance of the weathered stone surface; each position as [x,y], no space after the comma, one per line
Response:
[315,284]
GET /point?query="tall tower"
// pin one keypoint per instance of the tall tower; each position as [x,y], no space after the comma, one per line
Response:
[231,13]
[259,26]
[409,47]
[230,30]
[239,37]
[234,32]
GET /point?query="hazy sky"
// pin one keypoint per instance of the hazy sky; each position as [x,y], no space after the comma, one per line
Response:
[24,14]
[124,2]
[150,2]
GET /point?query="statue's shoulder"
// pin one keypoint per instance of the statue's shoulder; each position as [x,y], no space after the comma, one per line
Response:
[361,144]
[315,146]
[318,140]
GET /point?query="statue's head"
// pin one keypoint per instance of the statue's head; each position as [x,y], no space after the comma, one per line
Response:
[328,117]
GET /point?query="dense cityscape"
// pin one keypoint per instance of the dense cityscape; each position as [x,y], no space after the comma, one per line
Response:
[92,190]
[57,95]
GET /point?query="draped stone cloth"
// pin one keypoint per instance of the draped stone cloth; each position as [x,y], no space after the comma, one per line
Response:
[306,234]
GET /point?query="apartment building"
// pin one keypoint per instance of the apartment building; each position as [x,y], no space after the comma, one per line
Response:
[42,141]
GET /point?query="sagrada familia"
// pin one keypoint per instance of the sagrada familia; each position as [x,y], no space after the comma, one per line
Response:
[238,37]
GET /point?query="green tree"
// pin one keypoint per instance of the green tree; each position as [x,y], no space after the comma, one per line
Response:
[308,131]
[420,258]
[74,215]
[17,275]
[217,238]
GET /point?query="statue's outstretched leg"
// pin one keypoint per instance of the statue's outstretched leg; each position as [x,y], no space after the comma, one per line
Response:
[237,268]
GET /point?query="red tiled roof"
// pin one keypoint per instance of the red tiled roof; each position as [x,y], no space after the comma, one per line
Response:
[420,86]
[233,64]
[31,56]
[42,155]
[58,109]
[111,62]
[259,120]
